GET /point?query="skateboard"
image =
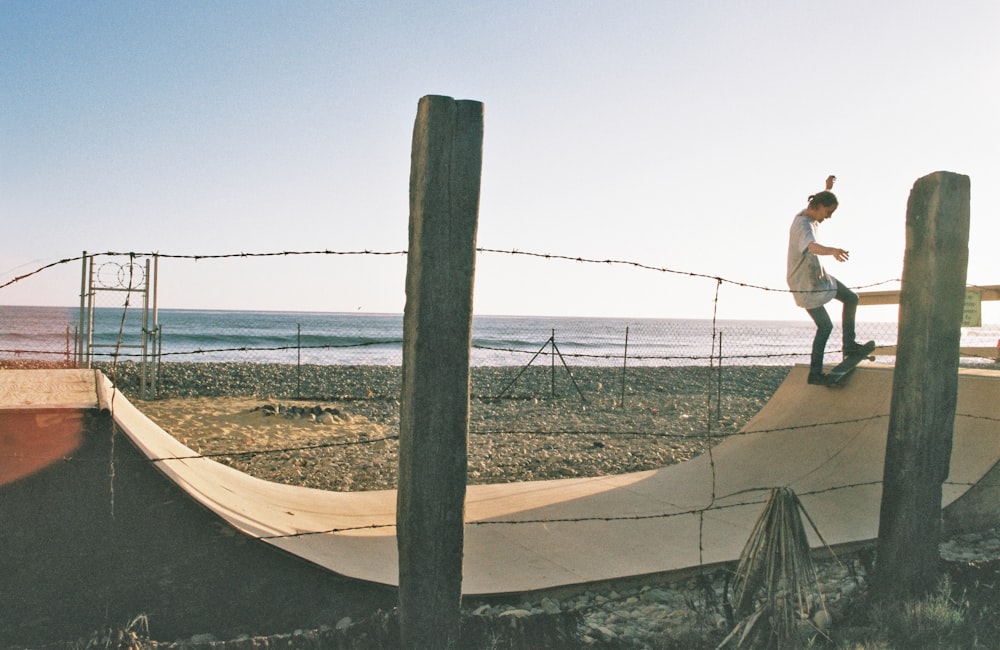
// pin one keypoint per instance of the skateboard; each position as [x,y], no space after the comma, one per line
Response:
[840,373]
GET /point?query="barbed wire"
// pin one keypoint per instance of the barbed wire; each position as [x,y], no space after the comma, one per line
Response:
[714,505]
[513,252]
[286,348]
[612,518]
[503,431]
[709,436]
[716,502]
[659,269]
[597,518]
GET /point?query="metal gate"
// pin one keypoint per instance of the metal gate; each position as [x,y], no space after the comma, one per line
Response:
[111,286]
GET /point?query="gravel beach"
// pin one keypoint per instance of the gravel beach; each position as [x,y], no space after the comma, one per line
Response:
[545,426]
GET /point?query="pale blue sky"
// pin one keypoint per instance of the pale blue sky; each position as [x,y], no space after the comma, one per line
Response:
[679,134]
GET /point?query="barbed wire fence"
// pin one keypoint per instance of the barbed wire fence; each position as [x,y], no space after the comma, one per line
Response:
[53,338]
[685,384]
[675,380]
[296,362]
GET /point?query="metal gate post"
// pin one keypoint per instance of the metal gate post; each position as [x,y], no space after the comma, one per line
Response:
[78,344]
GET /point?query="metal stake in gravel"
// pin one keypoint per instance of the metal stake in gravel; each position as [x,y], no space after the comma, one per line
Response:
[445,168]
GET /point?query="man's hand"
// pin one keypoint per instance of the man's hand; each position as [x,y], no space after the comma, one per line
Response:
[830,180]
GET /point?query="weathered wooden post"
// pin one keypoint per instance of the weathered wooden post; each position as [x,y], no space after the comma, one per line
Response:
[445,169]
[925,385]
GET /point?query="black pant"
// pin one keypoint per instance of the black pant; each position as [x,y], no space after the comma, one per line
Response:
[824,326]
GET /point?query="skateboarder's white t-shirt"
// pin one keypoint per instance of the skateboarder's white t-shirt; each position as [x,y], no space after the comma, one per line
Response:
[811,285]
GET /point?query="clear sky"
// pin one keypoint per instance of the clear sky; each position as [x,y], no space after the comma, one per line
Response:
[682,134]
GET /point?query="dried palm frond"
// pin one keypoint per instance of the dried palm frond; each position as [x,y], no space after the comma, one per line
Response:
[775,581]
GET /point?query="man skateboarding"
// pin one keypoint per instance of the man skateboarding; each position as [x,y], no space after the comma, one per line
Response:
[812,287]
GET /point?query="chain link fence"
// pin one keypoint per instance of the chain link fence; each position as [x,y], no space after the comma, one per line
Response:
[38,337]
[286,354]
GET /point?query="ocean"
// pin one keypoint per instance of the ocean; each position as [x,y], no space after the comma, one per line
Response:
[376,339]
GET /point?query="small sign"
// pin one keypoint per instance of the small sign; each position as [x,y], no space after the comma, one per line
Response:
[972,314]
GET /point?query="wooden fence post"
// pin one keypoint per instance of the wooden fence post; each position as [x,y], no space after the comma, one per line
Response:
[445,169]
[925,385]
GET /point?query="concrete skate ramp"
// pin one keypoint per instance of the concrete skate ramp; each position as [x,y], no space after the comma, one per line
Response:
[825,444]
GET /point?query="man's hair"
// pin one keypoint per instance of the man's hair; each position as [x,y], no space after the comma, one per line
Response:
[826,198]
